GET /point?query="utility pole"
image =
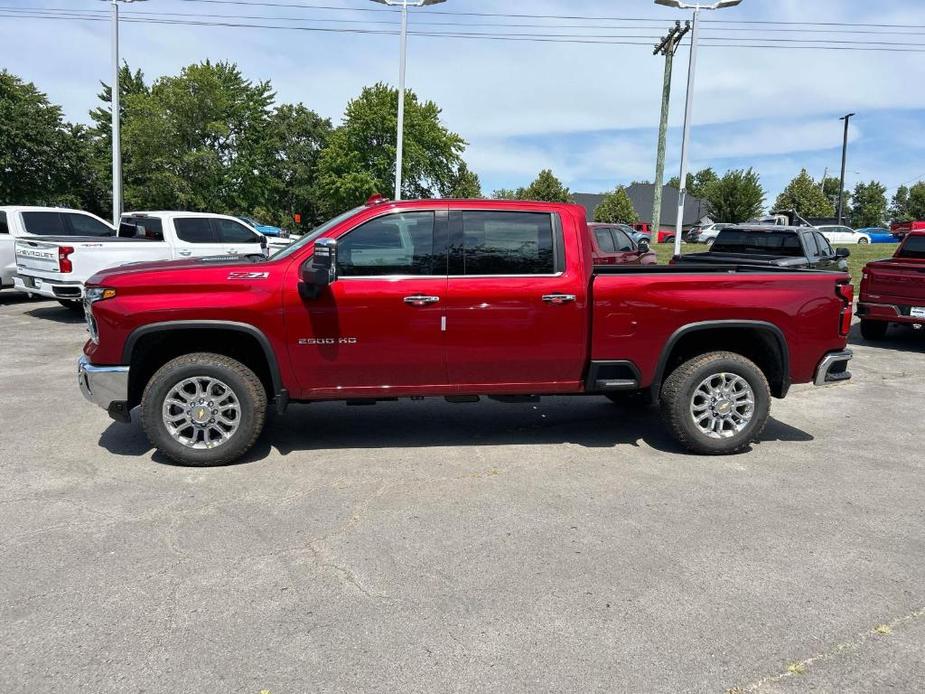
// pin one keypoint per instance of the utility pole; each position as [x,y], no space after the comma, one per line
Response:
[667,47]
[844,157]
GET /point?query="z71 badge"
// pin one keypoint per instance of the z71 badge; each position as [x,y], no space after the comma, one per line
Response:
[248,275]
[327,340]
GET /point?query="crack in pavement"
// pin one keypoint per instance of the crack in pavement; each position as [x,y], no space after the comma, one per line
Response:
[800,667]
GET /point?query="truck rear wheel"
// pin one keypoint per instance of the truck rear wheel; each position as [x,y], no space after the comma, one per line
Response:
[716,403]
[203,409]
[873,330]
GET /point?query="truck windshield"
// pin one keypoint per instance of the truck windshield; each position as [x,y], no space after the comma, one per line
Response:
[914,247]
[313,234]
[777,243]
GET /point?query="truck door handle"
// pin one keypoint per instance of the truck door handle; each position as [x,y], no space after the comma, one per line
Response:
[185,252]
[558,298]
[421,300]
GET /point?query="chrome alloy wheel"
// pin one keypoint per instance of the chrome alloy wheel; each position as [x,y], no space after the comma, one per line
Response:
[201,412]
[722,405]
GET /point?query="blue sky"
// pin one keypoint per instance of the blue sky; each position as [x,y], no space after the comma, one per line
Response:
[587,111]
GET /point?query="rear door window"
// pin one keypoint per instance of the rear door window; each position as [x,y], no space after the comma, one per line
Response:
[44,223]
[144,227]
[605,240]
[507,243]
[194,230]
[85,225]
[229,231]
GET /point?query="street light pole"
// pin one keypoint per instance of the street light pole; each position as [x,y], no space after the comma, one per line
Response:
[689,103]
[844,158]
[116,116]
[400,134]
[116,121]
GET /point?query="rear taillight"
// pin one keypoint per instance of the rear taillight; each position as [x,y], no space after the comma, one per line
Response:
[846,293]
[64,261]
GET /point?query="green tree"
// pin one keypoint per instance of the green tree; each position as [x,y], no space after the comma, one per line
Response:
[360,157]
[297,136]
[42,158]
[868,205]
[916,206]
[616,207]
[696,182]
[899,206]
[736,197]
[545,187]
[830,186]
[463,184]
[506,194]
[199,141]
[805,196]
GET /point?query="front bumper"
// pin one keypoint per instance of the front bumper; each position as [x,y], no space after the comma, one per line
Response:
[53,290]
[106,386]
[833,368]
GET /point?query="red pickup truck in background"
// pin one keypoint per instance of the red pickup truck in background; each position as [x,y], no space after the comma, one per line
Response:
[900,229]
[452,298]
[611,245]
[893,290]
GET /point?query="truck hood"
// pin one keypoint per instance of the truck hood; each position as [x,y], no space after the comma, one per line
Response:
[186,271]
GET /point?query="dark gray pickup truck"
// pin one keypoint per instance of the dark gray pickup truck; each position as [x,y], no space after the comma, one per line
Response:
[764,244]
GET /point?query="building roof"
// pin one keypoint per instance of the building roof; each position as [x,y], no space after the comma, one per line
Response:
[642,195]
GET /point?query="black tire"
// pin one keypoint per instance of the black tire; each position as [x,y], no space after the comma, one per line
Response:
[72,305]
[678,392]
[862,241]
[669,239]
[244,384]
[873,330]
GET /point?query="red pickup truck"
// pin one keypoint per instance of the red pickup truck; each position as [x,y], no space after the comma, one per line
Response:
[893,290]
[452,298]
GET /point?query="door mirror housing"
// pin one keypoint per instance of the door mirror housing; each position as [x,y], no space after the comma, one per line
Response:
[842,252]
[643,245]
[320,270]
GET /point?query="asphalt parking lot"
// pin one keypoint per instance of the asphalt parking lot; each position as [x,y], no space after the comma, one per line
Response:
[428,547]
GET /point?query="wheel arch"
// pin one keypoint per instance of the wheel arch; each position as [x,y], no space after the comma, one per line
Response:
[762,342]
[151,346]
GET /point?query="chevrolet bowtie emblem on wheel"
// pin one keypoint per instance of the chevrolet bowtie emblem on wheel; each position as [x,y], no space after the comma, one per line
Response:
[327,340]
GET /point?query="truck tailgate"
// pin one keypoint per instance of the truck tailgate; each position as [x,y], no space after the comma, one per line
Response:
[38,256]
[895,282]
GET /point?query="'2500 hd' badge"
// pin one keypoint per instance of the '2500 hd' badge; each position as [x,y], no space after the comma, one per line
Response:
[248,275]
[327,340]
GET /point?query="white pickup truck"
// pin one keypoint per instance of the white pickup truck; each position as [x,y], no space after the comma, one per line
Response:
[57,266]
[20,221]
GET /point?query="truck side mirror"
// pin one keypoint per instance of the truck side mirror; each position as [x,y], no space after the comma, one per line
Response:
[842,252]
[643,245]
[264,246]
[320,270]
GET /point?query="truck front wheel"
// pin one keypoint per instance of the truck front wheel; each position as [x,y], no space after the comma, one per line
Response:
[203,409]
[716,403]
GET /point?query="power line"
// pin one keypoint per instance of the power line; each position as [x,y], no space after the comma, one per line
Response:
[303,5]
[195,15]
[600,39]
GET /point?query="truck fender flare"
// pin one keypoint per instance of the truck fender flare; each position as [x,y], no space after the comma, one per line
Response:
[756,325]
[246,328]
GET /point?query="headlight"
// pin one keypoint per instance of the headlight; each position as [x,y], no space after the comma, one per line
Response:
[93,294]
